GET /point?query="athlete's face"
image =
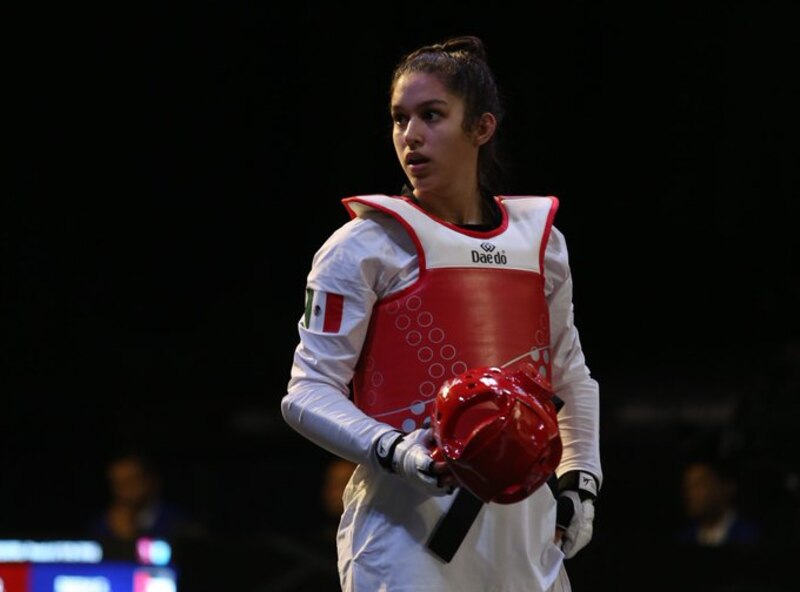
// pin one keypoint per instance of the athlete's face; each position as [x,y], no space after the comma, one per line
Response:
[438,156]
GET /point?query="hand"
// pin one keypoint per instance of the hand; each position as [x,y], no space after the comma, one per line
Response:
[409,455]
[577,491]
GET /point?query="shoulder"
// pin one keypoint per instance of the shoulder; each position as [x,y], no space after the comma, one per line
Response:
[556,255]
[359,237]
[370,227]
[744,530]
[556,242]
[357,250]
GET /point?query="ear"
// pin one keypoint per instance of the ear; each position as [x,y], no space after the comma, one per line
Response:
[485,128]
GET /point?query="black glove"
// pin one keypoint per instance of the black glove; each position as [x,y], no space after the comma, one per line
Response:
[577,492]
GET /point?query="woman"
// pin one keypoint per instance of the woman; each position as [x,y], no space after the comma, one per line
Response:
[415,289]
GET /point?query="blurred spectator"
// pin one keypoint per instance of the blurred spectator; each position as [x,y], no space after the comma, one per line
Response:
[709,492]
[337,474]
[136,507]
[310,562]
[761,435]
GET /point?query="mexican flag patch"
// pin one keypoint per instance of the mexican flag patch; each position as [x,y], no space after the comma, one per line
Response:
[323,311]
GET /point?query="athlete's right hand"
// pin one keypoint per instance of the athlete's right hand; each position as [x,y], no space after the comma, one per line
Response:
[409,455]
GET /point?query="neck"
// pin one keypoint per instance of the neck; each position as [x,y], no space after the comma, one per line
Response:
[715,519]
[454,208]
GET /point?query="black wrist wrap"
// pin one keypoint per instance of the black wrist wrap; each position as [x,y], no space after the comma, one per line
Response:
[584,483]
[385,459]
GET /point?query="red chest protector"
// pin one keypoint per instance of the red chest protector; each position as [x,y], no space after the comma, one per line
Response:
[479,301]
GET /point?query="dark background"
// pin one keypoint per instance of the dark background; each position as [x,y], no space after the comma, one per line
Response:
[175,167]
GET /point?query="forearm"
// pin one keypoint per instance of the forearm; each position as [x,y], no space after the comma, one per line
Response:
[325,416]
[579,427]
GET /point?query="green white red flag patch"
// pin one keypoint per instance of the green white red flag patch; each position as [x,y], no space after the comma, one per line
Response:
[323,311]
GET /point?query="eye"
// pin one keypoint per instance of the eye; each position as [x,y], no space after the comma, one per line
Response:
[432,115]
[399,119]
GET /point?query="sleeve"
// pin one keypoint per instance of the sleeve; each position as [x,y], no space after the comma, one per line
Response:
[579,419]
[352,269]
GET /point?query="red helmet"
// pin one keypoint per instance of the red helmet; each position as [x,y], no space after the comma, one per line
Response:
[498,432]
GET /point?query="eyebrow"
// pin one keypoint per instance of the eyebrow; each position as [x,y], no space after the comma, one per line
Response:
[423,105]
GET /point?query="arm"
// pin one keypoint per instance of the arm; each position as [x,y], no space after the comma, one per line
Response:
[359,262]
[579,420]
[580,474]
[317,403]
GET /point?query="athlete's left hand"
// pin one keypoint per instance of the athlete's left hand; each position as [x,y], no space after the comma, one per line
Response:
[577,492]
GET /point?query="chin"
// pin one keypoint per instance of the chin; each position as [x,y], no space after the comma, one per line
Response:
[422,189]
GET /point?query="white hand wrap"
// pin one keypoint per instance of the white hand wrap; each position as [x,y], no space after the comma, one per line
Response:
[578,532]
[408,455]
[575,512]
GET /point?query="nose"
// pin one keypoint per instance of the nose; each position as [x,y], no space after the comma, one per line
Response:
[413,133]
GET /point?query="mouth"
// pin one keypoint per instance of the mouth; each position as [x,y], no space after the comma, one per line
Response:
[416,162]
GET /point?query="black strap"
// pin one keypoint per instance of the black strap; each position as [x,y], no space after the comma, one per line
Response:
[454,525]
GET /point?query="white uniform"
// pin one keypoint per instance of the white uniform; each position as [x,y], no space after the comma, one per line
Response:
[382,534]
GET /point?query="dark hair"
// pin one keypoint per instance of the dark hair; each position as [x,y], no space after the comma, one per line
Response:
[462,66]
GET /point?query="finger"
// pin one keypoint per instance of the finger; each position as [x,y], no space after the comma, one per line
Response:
[447,481]
[435,469]
[440,468]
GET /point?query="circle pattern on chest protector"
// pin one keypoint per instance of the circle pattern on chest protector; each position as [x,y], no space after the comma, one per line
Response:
[414,322]
[437,359]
